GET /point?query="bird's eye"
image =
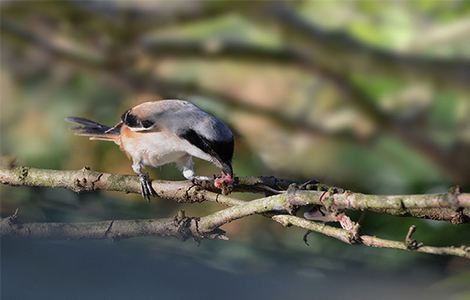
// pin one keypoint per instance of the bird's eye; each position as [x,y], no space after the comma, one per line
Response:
[147,123]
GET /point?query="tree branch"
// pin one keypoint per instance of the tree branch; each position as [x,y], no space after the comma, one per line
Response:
[180,227]
[367,240]
[149,17]
[452,206]
[183,227]
[85,180]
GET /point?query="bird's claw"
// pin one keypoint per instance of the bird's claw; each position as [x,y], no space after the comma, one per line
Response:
[224,183]
[146,188]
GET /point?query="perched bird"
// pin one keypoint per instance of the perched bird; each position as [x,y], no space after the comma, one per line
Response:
[156,133]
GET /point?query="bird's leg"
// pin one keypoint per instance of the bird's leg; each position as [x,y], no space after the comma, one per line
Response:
[146,188]
[186,165]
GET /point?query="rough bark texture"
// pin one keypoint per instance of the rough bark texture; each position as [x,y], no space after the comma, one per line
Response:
[180,227]
[451,206]
[367,240]
[286,197]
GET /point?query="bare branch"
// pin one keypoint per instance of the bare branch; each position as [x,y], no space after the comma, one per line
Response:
[367,240]
[179,227]
[452,206]
[84,180]
[152,14]
[219,48]
[183,227]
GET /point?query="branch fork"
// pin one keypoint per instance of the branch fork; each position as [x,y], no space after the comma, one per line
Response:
[274,207]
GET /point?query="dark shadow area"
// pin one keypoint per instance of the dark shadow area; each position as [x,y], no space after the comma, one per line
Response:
[120,270]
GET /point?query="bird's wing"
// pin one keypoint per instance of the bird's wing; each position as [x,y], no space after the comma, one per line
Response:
[178,117]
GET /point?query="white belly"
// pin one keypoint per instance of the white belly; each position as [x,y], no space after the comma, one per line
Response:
[159,148]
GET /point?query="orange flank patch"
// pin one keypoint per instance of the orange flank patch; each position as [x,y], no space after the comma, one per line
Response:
[127,133]
[126,136]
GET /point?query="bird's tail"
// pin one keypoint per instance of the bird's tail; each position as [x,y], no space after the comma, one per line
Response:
[95,131]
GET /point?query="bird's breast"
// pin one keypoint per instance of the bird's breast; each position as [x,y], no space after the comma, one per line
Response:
[156,148]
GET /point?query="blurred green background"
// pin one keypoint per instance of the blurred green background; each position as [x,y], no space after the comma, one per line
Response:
[373,96]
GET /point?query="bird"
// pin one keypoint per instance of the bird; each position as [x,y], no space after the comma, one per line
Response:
[156,133]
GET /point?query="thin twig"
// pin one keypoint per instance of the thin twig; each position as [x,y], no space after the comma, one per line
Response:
[367,240]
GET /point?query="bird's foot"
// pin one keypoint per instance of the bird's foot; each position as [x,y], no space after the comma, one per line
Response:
[224,182]
[146,188]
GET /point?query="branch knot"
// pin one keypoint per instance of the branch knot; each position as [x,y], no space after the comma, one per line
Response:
[23,173]
[289,204]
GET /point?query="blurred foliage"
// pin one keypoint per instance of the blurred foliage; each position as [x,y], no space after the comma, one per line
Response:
[39,89]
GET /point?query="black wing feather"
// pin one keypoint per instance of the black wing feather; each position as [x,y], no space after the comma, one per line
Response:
[90,127]
[221,150]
